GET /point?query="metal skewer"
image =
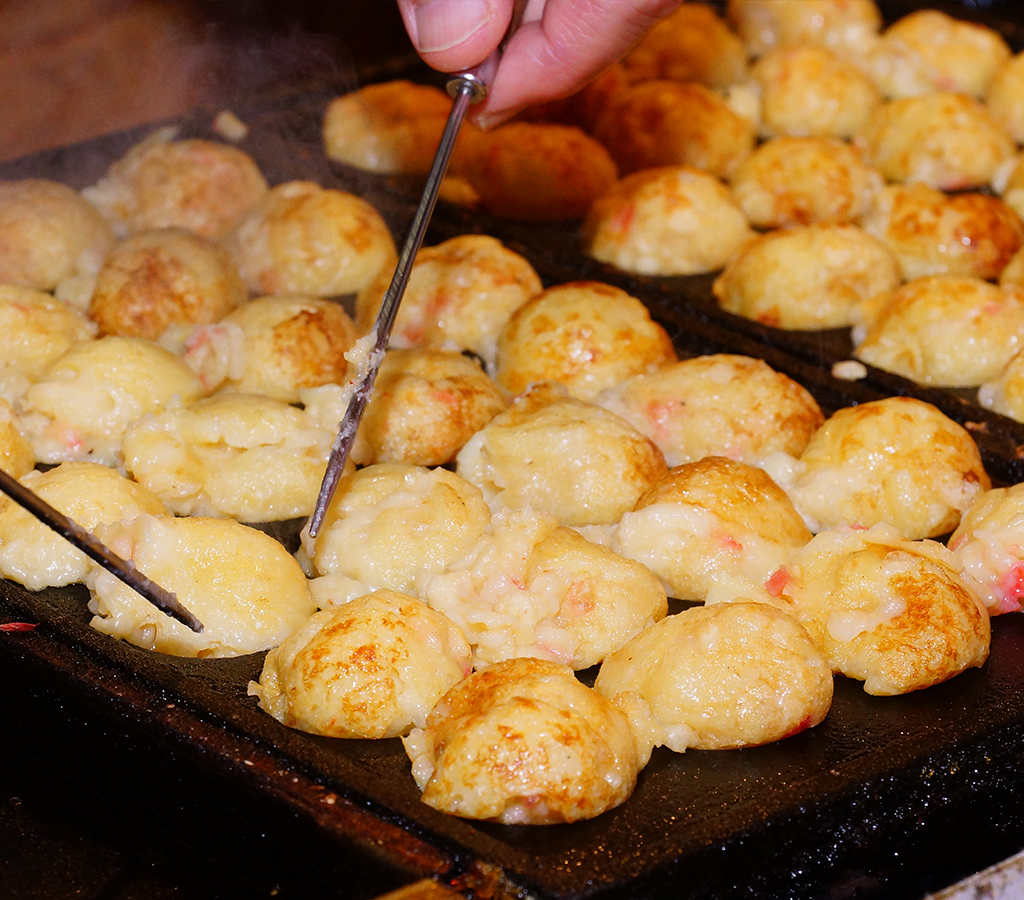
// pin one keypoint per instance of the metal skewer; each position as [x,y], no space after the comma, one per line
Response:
[162,599]
[464,88]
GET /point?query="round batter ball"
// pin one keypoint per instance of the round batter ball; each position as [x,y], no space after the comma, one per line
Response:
[807,278]
[691,44]
[989,543]
[810,91]
[159,283]
[929,50]
[891,612]
[946,140]
[426,404]
[664,123]
[240,456]
[537,171]
[48,233]
[16,455]
[724,676]
[393,128]
[711,520]
[802,181]
[275,346]
[461,292]
[35,330]
[899,461]
[849,27]
[669,221]
[946,330]
[523,742]
[80,409]
[245,588]
[33,554]
[301,238]
[717,405]
[392,523]
[202,185]
[576,461]
[585,335]
[934,233]
[372,668]
[1005,393]
[1004,96]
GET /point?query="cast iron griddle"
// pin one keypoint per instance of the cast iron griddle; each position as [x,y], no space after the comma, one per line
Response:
[884,792]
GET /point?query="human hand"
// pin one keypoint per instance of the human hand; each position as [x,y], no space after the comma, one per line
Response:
[560,45]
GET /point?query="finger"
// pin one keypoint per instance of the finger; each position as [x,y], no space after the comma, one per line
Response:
[572,42]
[452,35]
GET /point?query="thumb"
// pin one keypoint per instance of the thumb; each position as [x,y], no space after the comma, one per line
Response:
[452,35]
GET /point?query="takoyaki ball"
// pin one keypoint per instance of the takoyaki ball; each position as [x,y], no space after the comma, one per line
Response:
[391,523]
[80,409]
[934,233]
[242,584]
[888,611]
[1008,183]
[425,405]
[304,239]
[945,330]
[664,123]
[393,128]
[675,220]
[803,181]
[809,91]
[240,456]
[724,676]
[274,346]
[691,44]
[708,520]
[460,292]
[48,233]
[585,335]
[205,186]
[717,405]
[1004,96]
[989,543]
[17,457]
[807,278]
[898,461]
[928,50]
[849,27]
[1005,393]
[525,743]
[371,668]
[946,140]
[35,330]
[33,554]
[159,283]
[576,461]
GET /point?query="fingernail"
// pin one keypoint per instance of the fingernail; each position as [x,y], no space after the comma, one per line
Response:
[443,24]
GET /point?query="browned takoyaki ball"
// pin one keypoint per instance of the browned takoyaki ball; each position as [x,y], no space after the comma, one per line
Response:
[809,277]
[305,239]
[48,233]
[898,461]
[846,26]
[1004,96]
[585,335]
[426,404]
[674,220]
[537,171]
[947,140]
[157,284]
[202,185]
[809,91]
[934,233]
[663,123]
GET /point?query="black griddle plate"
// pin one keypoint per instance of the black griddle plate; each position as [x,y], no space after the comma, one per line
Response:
[881,797]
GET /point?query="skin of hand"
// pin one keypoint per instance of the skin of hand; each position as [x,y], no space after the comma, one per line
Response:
[559,47]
